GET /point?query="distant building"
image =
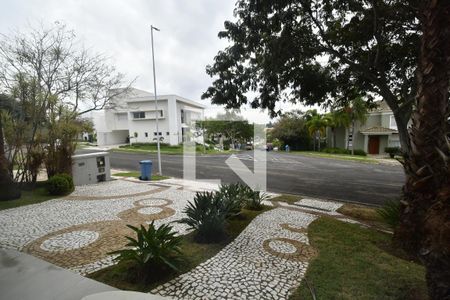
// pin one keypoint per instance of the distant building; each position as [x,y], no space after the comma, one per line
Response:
[378,132]
[132,117]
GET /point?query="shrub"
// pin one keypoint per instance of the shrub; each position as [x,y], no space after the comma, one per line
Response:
[69,180]
[390,213]
[152,249]
[392,151]
[207,216]
[252,199]
[359,152]
[231,197]
[344,151]
[59,185]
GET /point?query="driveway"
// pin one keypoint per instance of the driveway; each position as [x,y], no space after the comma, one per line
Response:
[291,173]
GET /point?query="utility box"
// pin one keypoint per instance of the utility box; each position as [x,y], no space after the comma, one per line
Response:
[91,168]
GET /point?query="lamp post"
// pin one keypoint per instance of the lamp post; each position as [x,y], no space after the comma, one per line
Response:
[156,102]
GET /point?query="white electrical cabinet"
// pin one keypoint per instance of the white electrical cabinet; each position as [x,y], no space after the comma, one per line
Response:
[91,168]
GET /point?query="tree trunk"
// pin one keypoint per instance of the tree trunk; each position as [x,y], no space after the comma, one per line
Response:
[9,189]
[353,137]
[333,138]
[424,228]
[318,139]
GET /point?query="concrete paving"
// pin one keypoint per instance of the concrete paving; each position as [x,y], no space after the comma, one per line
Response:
[24,277]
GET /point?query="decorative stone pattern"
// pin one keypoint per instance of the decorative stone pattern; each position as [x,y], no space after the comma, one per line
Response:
[70,241]
[245,269]
[79,232]
[319,204]
[281,246]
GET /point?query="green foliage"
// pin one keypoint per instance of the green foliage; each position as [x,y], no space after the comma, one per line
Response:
[69,180]
[393,151]
[390,213]
[231,197]
[358,152]
[231,130]
[291,130]
[253,199]
[59,185]
[152,248]
[207,216]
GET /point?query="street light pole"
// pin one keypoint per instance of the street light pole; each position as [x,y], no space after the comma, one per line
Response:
[156,101]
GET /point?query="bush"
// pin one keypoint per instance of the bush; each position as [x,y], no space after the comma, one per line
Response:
[344,151]
[336,151]
[359,152]
[392,151]
[59,185]
[390,213]
[252,199]
[207,216]
[69,180]
[231,198]
[152,249]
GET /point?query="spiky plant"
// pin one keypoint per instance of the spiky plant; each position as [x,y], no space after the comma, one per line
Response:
[152,248]
[207,216]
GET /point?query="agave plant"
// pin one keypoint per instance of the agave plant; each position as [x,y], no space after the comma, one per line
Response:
[252,199]
[207,216]
[231,197]
[152,247]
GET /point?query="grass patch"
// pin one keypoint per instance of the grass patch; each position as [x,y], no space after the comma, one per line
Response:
[155,177]
[358,263]
[37,195]
[121,275]
[363,159]
[288,198]
[366,214]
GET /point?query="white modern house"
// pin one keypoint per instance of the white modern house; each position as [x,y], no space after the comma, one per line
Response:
[132,118]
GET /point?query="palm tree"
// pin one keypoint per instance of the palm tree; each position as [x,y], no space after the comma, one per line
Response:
[316,125]
[357,112]
[424,228]
[336,119]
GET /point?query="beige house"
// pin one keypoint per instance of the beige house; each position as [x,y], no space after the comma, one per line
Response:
[378,132]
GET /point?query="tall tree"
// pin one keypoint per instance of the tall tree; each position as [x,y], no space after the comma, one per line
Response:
[335,119]
[9,190]
[291,130]
[314,51]
[357,112]
[48,70]
[316,126]
[425,224]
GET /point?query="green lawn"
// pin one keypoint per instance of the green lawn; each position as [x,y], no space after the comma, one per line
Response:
[358,263]
[37,195]
[288,198]
[363,159]
[121,275]
[155,177]
[166,149]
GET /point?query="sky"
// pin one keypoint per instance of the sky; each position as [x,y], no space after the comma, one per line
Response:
[120,29]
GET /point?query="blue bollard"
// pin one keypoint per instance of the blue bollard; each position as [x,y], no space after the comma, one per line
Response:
[146,169]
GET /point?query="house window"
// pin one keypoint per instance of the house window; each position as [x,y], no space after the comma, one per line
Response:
[146,134]
[161,113]
[182,116]
[167,133]
[392,123]
[155,133]
[139,115]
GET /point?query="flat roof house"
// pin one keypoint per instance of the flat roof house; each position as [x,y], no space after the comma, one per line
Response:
[133,116]
[378,132]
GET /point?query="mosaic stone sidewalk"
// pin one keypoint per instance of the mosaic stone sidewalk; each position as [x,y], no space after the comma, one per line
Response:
[78,231]
[266,261]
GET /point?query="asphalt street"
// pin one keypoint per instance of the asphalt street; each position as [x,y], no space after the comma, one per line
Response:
[290,173]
